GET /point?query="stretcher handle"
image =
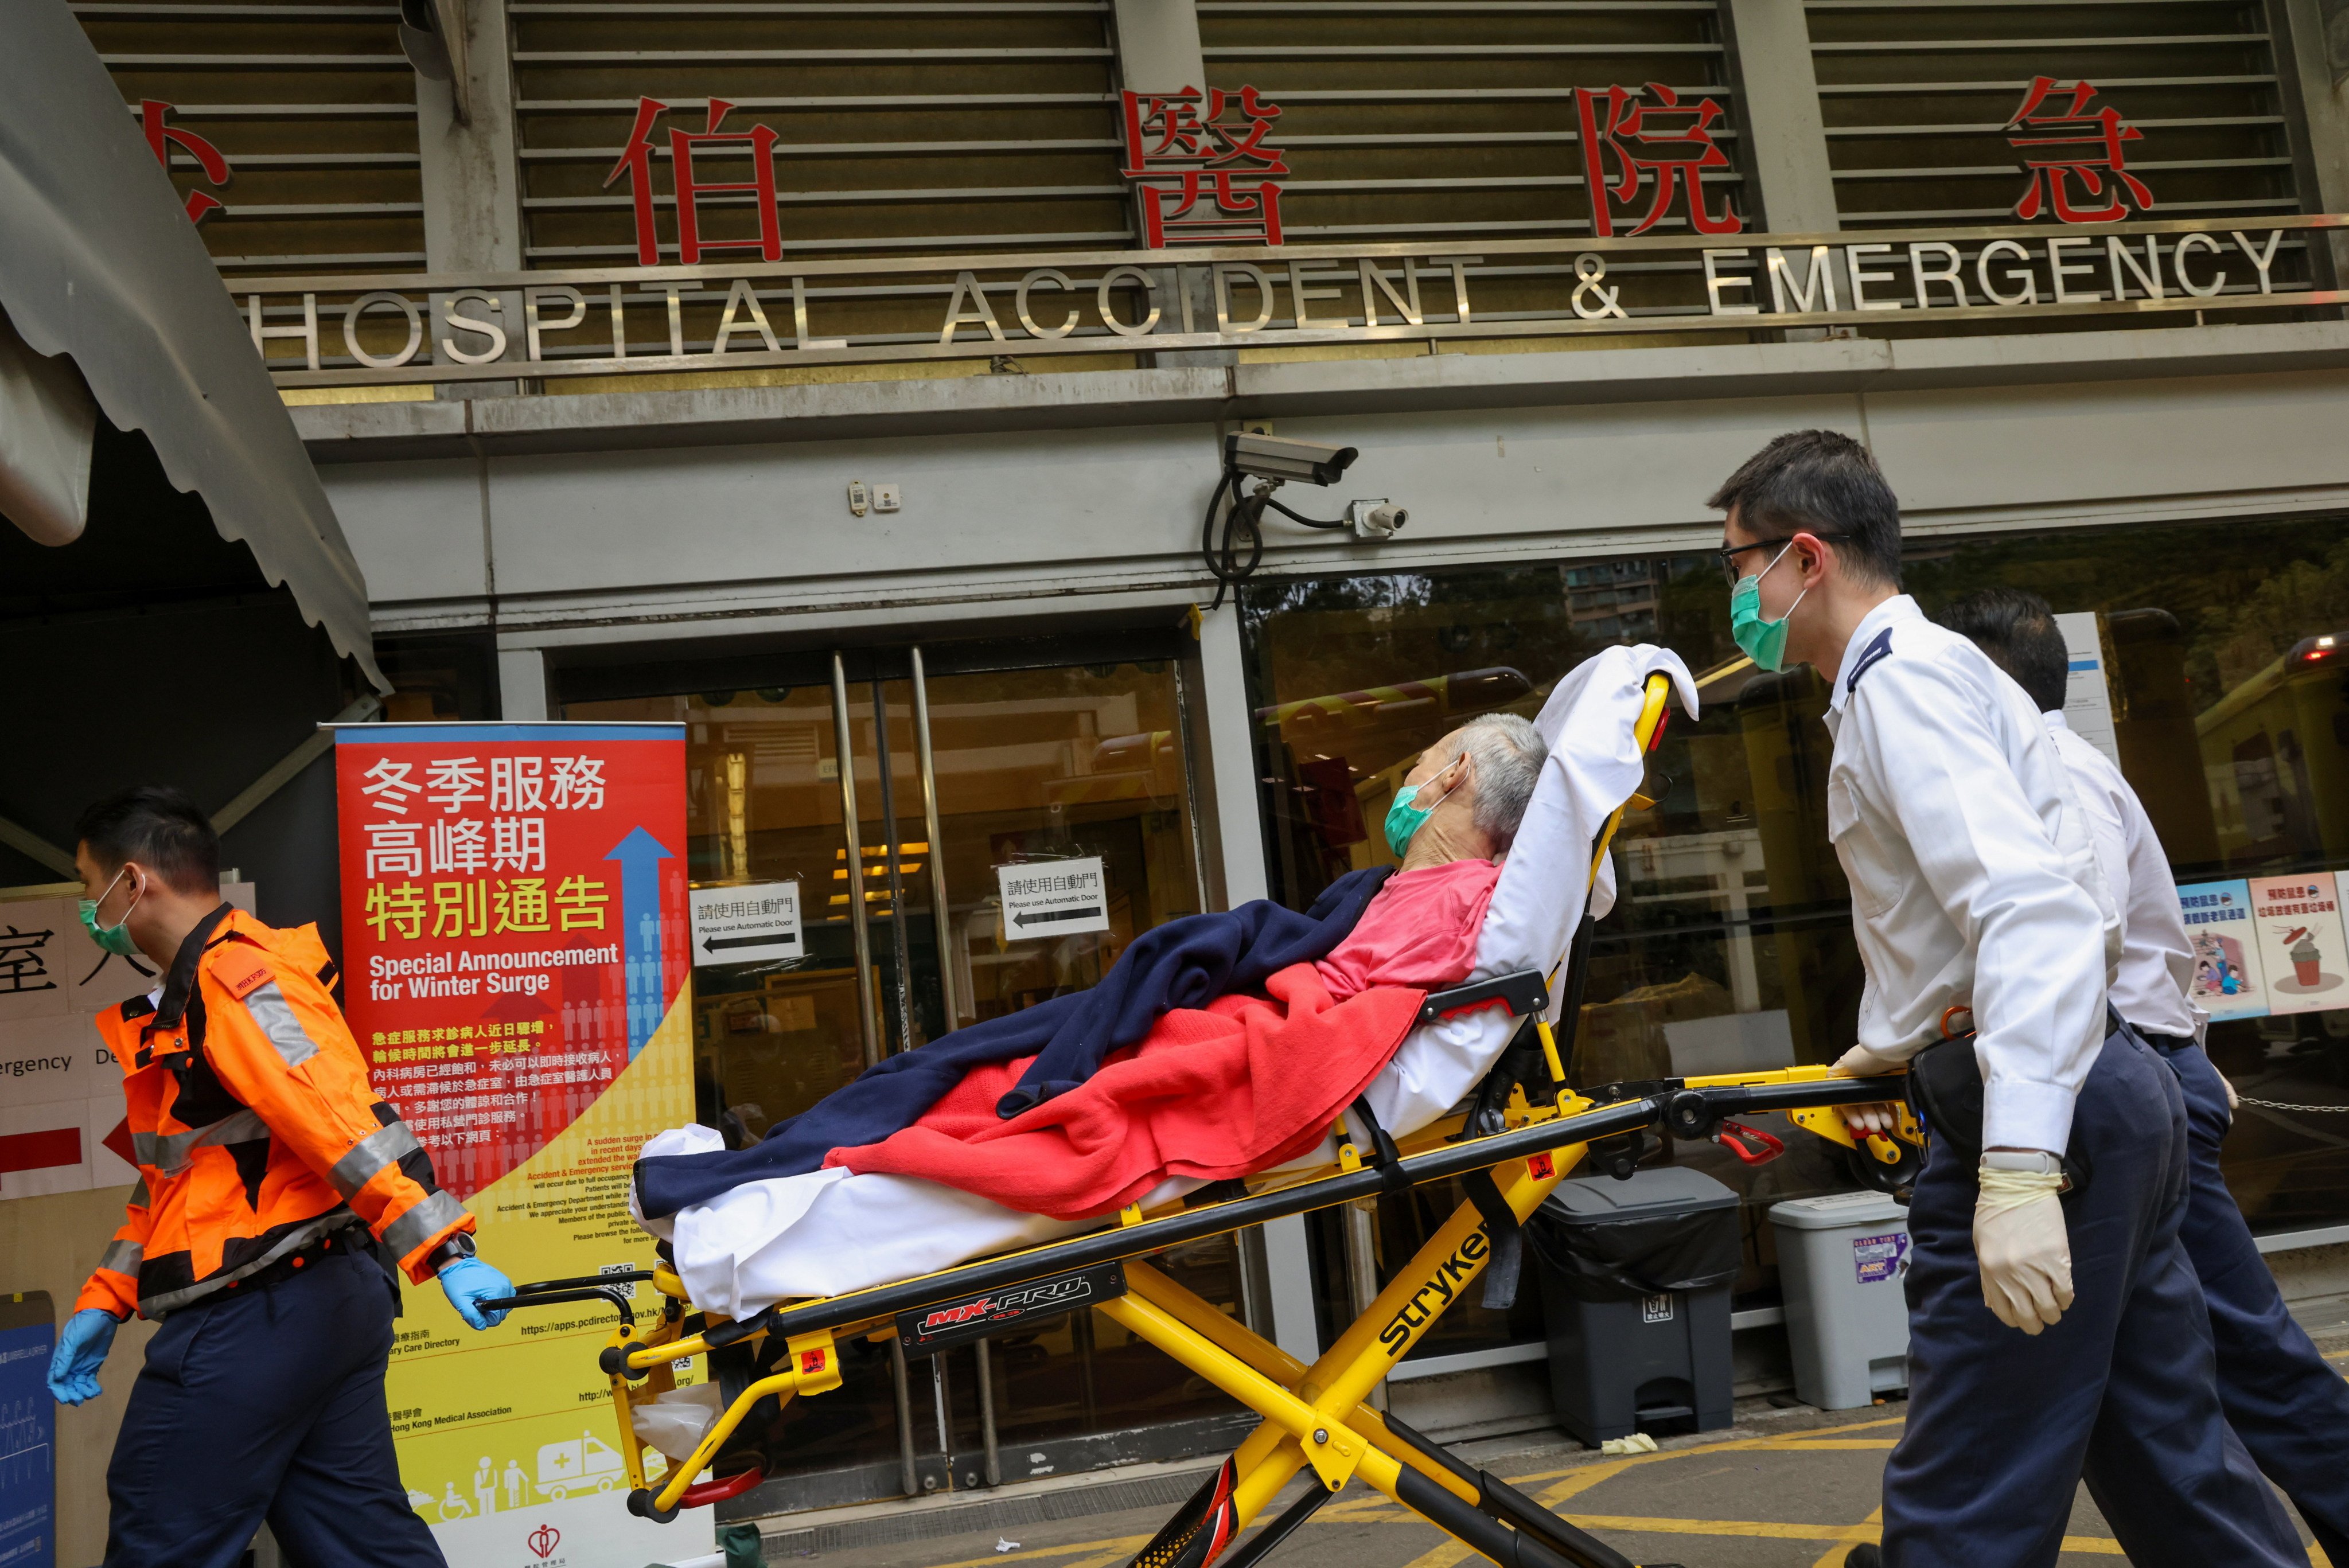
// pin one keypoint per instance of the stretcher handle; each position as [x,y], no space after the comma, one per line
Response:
[580,1282]
[1214,1219]
[585,1288]
[701,1494]
[1524,991]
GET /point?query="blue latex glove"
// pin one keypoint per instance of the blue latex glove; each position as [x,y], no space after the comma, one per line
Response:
[82,1345]
[470,1282]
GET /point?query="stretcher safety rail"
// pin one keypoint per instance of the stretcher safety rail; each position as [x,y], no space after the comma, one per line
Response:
[1314,1417]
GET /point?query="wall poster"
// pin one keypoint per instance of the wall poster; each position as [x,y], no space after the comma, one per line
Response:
[515,967]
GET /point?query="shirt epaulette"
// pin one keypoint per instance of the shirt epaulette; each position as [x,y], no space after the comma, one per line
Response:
[1877,650]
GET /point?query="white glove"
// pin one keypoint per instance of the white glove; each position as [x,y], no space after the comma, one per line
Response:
[1876,1119]
[2024,1251]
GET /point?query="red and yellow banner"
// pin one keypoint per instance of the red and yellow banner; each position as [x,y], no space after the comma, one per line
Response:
[515,936]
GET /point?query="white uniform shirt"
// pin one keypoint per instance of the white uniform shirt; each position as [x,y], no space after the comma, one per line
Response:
[1973,878]
[2157,958]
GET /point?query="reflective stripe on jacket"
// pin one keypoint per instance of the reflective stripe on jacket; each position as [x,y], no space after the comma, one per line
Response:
[255,1128]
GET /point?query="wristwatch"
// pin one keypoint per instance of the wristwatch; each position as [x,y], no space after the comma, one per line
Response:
[459,1245]
[2036,1161]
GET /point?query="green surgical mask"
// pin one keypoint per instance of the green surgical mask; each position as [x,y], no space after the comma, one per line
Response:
[115,938]
[1764,642]
[1405,818]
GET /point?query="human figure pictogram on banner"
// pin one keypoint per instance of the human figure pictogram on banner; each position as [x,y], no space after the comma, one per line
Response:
[635,161]
[1669,141]
[1203,179]
[2061,141]
[163,138]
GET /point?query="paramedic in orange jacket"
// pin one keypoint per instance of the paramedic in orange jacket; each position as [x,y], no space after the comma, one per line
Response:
[275,1189]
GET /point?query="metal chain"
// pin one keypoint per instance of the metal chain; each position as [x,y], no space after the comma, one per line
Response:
[2280,1105]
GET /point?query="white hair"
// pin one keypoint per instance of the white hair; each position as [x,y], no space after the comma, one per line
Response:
[1509,754]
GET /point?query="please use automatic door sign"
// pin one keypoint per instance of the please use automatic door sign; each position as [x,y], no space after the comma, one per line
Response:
[757,923]
[1053,898]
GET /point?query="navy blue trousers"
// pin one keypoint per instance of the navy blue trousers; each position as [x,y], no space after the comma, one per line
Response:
[2003,1425]
[2289,1407]
[269,1404]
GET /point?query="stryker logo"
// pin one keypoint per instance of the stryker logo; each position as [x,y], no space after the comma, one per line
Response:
[1444,1284]
[1051,1294]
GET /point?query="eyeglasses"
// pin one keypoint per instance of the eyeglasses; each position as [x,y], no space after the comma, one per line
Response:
[1728,553]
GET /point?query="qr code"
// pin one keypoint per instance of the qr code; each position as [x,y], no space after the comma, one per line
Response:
[630,1286]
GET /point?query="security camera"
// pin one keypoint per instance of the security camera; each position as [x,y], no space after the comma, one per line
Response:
[1271,457]
[1380,519]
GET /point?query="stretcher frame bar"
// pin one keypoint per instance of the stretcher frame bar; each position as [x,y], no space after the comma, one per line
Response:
[1741,1095]
[1314,1416]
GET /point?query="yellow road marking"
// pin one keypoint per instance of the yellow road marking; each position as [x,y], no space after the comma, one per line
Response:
[1119,1546]
[1796,1444]
[1832,1557]
[1758,1528]
[1811,1435]
[1444,1557]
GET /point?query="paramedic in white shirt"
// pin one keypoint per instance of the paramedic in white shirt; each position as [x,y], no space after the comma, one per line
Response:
[2048,1330]
[2289,1407]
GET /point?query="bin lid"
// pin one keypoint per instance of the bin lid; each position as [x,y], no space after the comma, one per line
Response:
[1838,1210]
[1662,1190]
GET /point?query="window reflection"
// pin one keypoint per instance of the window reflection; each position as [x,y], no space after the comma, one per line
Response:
[2228,651]
[1034,768]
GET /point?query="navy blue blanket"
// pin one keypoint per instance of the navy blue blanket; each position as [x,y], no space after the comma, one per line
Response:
[1184,963]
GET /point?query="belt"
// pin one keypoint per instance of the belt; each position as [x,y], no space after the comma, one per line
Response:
[347,1240]
[2168,1045]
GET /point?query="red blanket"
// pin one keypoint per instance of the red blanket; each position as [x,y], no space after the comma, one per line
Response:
[1244,1084]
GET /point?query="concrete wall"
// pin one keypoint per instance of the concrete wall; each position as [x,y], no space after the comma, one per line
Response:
[581,531]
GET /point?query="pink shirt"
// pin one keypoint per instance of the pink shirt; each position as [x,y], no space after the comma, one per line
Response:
[1419,930]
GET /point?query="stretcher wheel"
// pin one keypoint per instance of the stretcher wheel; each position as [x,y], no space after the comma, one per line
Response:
[640,1504]
[1871,1172]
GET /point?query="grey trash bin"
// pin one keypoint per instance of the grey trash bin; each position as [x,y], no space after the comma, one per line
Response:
[1635,1279]
[1842,1261]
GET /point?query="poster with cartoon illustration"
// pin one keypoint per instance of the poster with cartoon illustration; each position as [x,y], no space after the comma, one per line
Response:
[514,930]
[2228,981]
[2297,919]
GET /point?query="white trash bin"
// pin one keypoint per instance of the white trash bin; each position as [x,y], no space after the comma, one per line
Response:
[1841,1261]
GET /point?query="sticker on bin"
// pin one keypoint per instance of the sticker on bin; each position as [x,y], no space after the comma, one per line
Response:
[1655,1308]
[1876,1258]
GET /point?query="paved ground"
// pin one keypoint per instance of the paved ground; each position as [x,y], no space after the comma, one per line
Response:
[1783,1488]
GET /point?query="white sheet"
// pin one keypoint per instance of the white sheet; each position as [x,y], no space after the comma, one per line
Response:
[829,1231]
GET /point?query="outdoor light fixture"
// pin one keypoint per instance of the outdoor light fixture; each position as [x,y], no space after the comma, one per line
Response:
[1273,461]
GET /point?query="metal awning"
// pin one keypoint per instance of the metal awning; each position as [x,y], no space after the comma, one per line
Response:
[99,263]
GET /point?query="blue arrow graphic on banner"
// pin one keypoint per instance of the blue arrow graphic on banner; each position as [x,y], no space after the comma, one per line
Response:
[640,855]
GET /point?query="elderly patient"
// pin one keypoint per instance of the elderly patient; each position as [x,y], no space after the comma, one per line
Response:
[1253,1079]
[1254,1030]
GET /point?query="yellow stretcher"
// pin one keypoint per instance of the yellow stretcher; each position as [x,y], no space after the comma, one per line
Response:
[1314,1416]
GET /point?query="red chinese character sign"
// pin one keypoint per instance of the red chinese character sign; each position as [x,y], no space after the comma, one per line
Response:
[1628,140]
[161,138]
[1202,168]
[2063,143]
[513,924]
[635,161]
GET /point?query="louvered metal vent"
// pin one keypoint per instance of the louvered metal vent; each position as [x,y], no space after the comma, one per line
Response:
[1455,118]
[1920,97]
[313,107]
[952,126]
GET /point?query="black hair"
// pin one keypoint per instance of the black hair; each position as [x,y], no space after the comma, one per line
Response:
[1824,482]
[157,826]
[2018,630]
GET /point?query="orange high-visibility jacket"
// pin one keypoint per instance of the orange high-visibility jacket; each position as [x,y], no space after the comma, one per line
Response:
[257,1132]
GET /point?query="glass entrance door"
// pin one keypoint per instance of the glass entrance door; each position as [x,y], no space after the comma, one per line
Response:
[1005,823]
